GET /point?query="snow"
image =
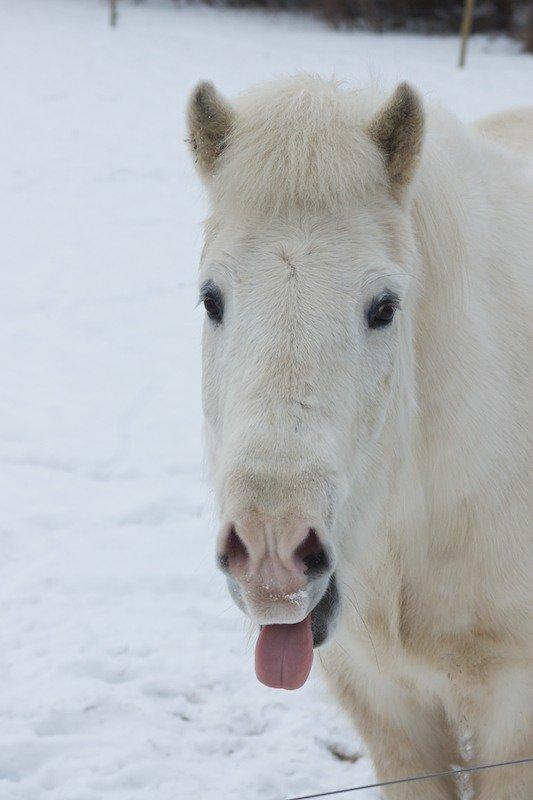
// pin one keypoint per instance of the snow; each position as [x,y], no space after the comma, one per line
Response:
[126,672]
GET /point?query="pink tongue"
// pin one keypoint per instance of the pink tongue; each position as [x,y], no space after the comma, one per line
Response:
[284,654]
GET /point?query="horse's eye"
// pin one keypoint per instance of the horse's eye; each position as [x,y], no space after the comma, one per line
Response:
[213,306]
[382,311]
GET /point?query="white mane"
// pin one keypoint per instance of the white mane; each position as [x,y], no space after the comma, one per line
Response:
[299,144]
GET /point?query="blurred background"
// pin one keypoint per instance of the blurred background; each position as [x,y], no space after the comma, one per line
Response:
[511,17]
[126,672]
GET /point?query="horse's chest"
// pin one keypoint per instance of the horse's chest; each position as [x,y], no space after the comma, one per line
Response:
[424,625]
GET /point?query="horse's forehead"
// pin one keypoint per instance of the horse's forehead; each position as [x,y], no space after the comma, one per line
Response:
[308,249]
[296,258]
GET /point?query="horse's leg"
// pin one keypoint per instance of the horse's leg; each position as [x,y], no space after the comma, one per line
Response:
[502,723]
[405,737]
[416,745]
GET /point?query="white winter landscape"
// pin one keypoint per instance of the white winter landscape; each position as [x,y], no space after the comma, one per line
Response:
[126,672]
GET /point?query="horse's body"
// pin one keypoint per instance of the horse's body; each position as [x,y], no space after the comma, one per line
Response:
[406,447]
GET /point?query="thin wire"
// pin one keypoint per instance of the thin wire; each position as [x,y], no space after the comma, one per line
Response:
[413,778]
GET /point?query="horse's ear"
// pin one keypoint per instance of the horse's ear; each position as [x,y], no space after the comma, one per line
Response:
[398,131]
[210,119]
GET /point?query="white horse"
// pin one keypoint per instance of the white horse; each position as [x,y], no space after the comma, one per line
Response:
[365,365]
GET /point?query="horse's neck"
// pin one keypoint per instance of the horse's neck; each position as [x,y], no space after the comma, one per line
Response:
[471,242]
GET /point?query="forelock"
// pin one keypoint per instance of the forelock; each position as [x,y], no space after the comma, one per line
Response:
[299,144]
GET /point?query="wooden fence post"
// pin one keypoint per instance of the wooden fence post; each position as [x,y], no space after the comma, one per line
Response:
[113,13]
[466,27]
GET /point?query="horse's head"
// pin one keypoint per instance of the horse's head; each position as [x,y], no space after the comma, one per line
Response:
[304,278]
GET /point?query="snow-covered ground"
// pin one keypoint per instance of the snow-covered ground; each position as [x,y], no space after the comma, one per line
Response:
[125,671]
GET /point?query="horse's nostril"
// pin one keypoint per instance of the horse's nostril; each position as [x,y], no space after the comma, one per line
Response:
[235,550]
[312,554]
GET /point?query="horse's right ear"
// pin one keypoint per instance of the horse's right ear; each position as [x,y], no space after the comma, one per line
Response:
[398,131]
[210,119]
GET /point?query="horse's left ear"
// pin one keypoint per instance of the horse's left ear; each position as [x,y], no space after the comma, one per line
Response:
[398,131]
